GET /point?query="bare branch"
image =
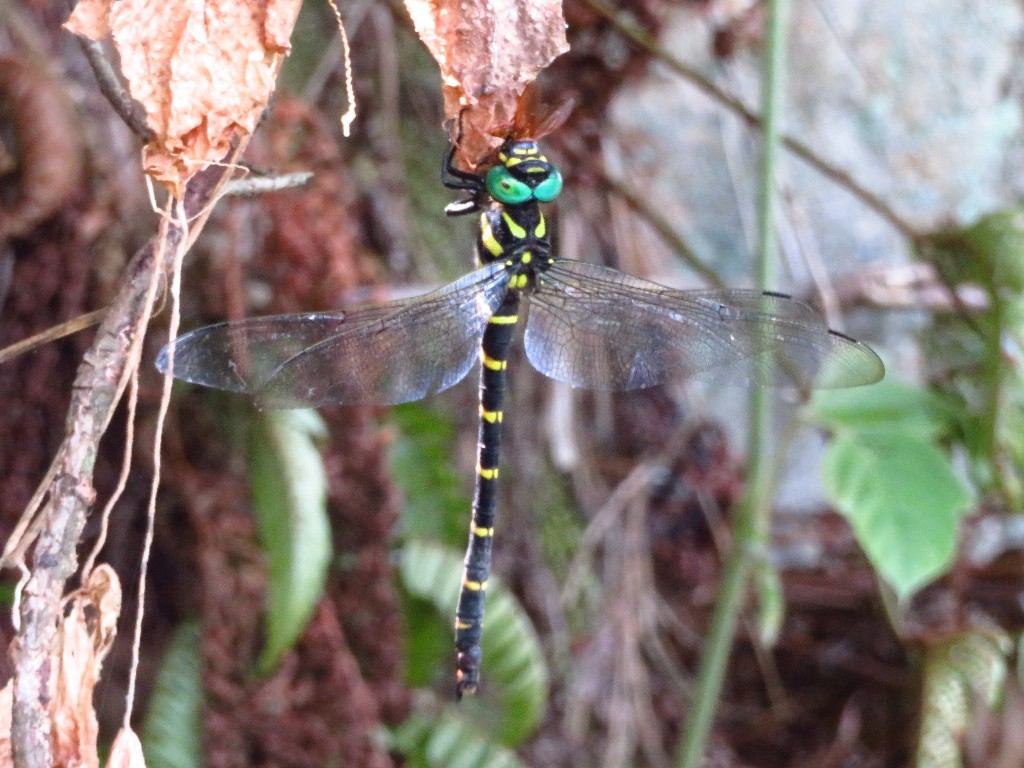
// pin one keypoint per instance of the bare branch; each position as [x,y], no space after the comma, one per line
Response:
[74,325]
[110,86]
[98,386]
[258,185]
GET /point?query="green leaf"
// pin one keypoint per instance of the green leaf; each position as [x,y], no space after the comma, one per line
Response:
[771,604]
[1020,660]
[172,733]
[903,500]
[989,252]
[436,506]
[513,668]
[449,739]
[887,404]
[962,675]
[428,644]
[289,495]
[996,242]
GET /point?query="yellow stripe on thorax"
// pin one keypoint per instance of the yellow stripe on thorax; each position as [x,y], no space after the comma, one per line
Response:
[517,232]
[488,239]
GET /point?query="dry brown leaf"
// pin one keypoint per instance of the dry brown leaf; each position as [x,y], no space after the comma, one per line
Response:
[202,69]
[102,591]
[6,705]
[488,51]
[126,751]
[85,637]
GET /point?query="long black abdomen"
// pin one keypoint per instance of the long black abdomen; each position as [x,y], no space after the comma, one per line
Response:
[470,613]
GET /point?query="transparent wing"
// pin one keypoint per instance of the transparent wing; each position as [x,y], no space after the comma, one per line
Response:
[381,354]
[597,328]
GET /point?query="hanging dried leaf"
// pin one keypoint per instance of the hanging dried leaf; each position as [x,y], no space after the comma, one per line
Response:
[203,71]
[488,51]
[6,708]
[126,751]
[85,637]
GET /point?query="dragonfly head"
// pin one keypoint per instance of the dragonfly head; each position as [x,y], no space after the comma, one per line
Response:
[523,173]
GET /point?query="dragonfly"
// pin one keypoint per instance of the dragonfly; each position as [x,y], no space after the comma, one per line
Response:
[586,325]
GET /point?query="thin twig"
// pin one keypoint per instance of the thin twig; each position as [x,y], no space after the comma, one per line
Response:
[629,29]
[6,270]
[122,479]
[662,226]
[649,213]
[110,86]
[259,185]
[636,483]
[74,325]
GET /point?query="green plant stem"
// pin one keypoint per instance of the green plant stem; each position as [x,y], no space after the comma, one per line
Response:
[751,527]
[993,377]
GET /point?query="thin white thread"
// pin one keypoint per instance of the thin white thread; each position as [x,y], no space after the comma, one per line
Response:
[126,462]
[350,92]
[165,399]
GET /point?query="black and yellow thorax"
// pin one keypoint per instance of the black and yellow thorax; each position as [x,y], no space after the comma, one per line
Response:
[517,234]
[512,226]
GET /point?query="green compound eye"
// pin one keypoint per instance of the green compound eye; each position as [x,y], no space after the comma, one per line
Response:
[505,188]
[548,189]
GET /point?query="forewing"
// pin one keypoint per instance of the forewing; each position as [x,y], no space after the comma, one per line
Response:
[382,354]
[426,346]
[597,328]
[239,356]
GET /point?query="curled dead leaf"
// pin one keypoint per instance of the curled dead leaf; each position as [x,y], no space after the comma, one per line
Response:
[489,51]
[203,71]
[102,592]
[85,638]
[6,710]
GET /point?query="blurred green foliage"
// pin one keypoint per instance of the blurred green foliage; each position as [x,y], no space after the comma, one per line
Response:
[435,529]
[289,497]
[172,733]
[959,672]
[977,353]
[885,470]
